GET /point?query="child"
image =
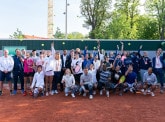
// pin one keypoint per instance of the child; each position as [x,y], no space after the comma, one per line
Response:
[28,72]
[69,81]
[38,81]
[93,71]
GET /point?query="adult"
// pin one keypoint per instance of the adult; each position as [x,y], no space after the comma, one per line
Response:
[6,66]
[158,65]
[18,71]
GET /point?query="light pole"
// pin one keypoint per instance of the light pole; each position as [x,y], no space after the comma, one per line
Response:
[66,19]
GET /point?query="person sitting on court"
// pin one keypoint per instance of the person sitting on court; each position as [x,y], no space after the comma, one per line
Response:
[86,83]
[37,85]
[105,77]
[150,81]
[116,75]
[69,81]
[131,80]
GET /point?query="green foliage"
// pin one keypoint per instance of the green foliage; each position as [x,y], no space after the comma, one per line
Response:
[75,35]
[58,34]
[95,13]
[17,35]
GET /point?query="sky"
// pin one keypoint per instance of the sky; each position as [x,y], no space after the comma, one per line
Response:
[30,17]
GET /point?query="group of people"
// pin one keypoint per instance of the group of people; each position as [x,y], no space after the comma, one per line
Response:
[82,73]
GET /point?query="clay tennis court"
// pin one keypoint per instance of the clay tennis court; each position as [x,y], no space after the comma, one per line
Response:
[58,108]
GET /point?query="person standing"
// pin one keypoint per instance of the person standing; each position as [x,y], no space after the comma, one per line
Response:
[6,67]
[158,65]
[18,71]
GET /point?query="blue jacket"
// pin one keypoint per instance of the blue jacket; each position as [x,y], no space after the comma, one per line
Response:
[161,60]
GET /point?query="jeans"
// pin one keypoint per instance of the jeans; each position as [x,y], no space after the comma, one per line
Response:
[87,87]
[160,73]
[70,89]
[19,74]
[142,71]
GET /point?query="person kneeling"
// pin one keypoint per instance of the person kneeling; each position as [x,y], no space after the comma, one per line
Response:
[69,81]
[150,81]
[38,82]
[86,83]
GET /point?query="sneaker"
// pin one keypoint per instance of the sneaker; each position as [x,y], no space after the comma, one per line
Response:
[148,90]
[73,95]
[31,93]
[51,92]
[94,92]
[107,93]
[161,91]
[101,92]
[145,92]
[152,94]
[24,93]
[120,94]
[125,90]
[56,92]
[35,95]
[66,95]
[142,90]
[84,94]
[47,94]
[90,96]
[14,92]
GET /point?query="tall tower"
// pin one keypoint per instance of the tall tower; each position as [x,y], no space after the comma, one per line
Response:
[50,19]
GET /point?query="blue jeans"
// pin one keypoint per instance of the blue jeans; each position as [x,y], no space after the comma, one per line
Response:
[87,87]
[160,73]
[70,89]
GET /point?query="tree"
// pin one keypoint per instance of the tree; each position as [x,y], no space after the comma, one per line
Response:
[127,12]
[156,8]
[95,13]
[75,35]
[17,35]
[58,34]
[147,28]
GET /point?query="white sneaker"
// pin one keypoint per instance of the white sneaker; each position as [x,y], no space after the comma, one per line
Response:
[152,94]
[73,95]
[94,92]
[51,93]
[131,90]
[145,92]
[101,92]
[90,96]
[56,92]
[142,90]
[84,94]
[47,94]
[107,93]
[148,90]
[66,95]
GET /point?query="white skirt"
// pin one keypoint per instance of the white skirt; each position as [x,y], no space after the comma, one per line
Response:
[49,73]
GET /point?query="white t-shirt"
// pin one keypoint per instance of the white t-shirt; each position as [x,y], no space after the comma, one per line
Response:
[69,80]
[76,62]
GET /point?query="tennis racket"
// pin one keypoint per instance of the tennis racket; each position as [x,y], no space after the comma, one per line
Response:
[121,80]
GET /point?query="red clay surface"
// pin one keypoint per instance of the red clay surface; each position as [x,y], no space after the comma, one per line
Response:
[58,108]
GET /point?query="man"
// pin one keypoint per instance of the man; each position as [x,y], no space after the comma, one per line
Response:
[86,83]
[6,66]
[158,65]
[149,80]
[105,77]
[131,80]
[18,71]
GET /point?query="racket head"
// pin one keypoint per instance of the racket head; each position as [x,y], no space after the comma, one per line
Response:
[122,79]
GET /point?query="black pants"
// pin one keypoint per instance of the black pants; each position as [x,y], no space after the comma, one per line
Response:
[20,75]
